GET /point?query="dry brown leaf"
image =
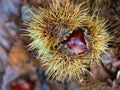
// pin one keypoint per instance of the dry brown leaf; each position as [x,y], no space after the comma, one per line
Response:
[18,56]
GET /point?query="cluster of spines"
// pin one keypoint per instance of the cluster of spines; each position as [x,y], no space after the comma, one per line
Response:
[44,31]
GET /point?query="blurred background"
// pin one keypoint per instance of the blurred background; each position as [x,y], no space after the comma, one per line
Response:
[20,71]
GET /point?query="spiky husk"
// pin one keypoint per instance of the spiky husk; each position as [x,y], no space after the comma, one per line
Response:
[48,26]
[115,31]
